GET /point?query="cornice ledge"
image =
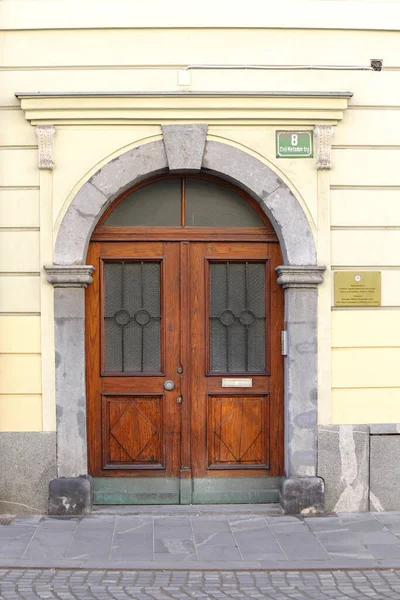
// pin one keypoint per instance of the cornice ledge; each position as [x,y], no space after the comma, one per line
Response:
[168,94]
[67,276]
[297,107]
[290,276]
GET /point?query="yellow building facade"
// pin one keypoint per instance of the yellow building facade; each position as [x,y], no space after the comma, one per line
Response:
[85,88]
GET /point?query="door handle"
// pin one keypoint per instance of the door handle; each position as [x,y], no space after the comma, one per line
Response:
[169,385]
[179,399]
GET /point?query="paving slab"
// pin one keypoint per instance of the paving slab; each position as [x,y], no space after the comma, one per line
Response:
[214,539]
[133,539]
[174,539]
[255,538]
[202,540]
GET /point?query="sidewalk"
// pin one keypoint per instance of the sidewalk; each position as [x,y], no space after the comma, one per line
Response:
[202,538]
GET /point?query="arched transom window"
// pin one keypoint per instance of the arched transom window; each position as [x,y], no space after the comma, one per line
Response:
[178,201]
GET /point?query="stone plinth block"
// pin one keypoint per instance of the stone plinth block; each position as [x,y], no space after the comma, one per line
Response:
[70,496]
[385,472]
[343,464]
[184,145]
[302,495]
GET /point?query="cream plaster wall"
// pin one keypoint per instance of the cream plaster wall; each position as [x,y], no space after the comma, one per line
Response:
[353,209]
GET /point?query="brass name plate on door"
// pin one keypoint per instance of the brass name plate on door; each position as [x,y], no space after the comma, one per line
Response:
[357,288]
[234,382]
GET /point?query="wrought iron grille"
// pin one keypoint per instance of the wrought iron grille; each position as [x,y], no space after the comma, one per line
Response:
[132,317]
[237,317]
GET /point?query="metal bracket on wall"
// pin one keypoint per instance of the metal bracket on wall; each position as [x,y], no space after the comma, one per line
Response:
[376,64]
[284,343]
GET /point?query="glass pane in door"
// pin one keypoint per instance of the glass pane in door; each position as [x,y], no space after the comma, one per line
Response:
[132,317]
[158,204]
[237,317]
[212,205]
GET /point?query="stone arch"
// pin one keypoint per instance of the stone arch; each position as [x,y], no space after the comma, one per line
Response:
[260,181]
[184,148]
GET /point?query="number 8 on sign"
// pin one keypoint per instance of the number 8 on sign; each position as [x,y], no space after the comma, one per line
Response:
[294,139]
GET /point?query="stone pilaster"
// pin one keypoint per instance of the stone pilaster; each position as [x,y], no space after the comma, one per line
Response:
[300,285]
[70,282]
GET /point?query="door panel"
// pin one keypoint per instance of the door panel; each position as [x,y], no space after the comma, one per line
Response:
[235,430]
[238,431]
[132,432]
[133,346]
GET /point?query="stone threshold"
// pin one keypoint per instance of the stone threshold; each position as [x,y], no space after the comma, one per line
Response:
[161,510]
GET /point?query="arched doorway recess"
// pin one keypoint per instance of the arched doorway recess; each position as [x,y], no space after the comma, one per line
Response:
[185,149]
[183,329]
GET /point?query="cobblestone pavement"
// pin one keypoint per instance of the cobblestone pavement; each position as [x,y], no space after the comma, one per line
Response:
[30,584]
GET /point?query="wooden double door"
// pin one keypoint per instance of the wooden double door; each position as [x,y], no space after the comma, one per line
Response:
[184,372]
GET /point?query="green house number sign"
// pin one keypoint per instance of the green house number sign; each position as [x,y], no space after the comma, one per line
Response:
[294,144]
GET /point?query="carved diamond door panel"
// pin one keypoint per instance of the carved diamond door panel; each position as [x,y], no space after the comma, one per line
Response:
[132,432]
[238,431]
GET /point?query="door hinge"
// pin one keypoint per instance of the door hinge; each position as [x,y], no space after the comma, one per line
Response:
[284,343]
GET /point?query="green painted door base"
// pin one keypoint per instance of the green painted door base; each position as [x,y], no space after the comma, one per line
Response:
[208,490]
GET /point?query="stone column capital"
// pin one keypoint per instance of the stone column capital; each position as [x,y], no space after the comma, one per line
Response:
[69,276]
[45,135]
[291,276]
[324,134]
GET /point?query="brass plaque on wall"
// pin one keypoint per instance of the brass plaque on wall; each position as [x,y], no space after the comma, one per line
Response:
[357,288]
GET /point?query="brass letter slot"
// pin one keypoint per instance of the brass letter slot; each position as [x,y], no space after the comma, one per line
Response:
[233,382]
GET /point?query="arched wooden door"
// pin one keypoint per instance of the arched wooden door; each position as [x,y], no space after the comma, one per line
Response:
[184,368]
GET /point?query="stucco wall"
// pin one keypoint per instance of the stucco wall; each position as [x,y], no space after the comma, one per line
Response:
[357,225]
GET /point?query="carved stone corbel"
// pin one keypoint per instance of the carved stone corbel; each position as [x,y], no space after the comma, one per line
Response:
[45,135]
[323,134]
